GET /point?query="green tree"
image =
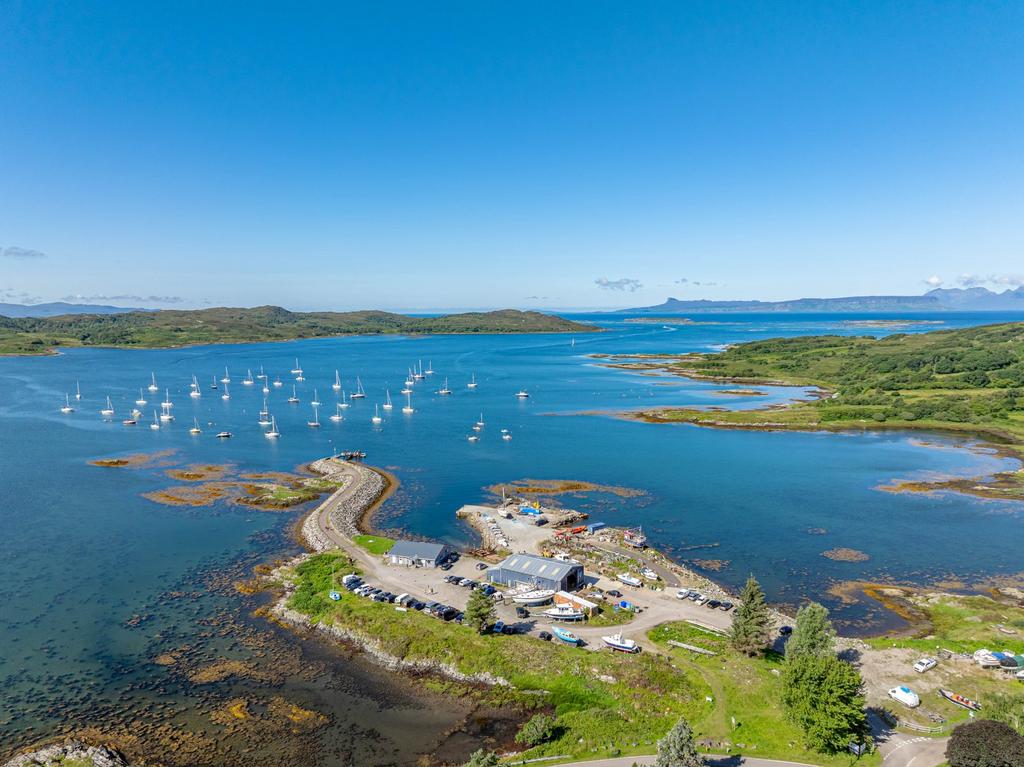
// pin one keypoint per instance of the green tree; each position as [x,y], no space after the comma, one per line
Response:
[824,697]
[751,619]
[985,743]
[539,729]
[1008,709]
[479,611]
[677,749]
[482,758]
[813,633]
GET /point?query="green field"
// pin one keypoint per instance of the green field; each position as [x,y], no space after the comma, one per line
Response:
[606,703]
[375,544]
[170,328]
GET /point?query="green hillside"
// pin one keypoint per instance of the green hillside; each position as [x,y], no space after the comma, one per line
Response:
[969,380]
[263,323]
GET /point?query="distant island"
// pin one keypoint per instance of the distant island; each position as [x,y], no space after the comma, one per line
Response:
[170,328]
[938,300]
[56,308]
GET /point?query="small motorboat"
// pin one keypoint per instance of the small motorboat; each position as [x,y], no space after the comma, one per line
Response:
[129,422]
[960,700]
[564,613]
[473,438]
[335,596]
[223,435]
[533,598]
[565,635]
[619,643]
[506,436]
[630,580]
[905,695]
[522,394]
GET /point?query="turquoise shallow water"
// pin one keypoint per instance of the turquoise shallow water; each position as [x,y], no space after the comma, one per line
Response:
[81,552]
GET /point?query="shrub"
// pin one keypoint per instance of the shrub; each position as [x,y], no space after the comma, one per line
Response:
[985,743]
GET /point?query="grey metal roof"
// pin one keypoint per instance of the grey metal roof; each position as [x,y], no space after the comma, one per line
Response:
[417,550]
[537,567]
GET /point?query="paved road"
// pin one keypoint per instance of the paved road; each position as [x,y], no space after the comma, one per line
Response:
[900,749]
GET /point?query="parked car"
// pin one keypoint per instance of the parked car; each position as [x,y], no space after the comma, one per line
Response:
[472,585]
[786,631]
[498,627]
[545,635]
[453,557]
[614,593]
[522,612]
[417,605]
[459,617]
[446,565]
[925,664]
[683,594]
[452,579]
[465,581]
[488,589]
[713,604]
[725,606]
[694,596]
[481,565]
[509,629]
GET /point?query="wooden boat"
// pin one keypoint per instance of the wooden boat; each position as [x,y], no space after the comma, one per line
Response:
[960,700]
[565,635]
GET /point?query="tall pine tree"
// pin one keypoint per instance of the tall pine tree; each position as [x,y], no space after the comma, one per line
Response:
[751,620]
[677,749]
[824,696]
[479,611]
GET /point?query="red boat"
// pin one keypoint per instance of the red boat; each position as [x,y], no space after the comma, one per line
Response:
[960,700]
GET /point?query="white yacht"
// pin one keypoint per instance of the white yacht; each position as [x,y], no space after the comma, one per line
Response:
[78,390]
[294,399]
[266,389]
[195,427]
[564,613]
[165,414]
[142,398]
[376,415]
[108,410]
[277,383]
[337,380]
[195,393]
[262,375]
[387,402]
[336,416]
[522,394]
[227,393]
[264,414]
[156,422]
[248,380]
[167,404]
[620,643]
[227,377]
[315,423]
[315,402]
[472,382]
[473,438]
[481,421]
[408,403]
[152,384]
[358,393]
[344,403]
[273,433]
[67,405]
[444,389]
[297,370]
[430,369]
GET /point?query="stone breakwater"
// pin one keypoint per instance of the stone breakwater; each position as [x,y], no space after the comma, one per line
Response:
[347,506]
[74,752]
[282,613]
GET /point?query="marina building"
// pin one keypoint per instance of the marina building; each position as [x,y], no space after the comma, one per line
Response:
[537,572]
[419,554]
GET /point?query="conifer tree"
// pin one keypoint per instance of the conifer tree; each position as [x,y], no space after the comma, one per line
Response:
[751,620]
[677,748]
[813,633]
[479,611]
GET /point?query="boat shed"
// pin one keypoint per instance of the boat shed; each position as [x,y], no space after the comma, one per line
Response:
[593,527]
[419,554]
[537,572]
[585,605]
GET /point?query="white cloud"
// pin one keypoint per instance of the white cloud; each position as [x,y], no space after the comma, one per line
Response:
[998,280]
[16,252]
[145,299]
[627,284]
[934,281]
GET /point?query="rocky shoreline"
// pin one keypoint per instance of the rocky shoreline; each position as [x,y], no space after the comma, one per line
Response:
[348,516]
[73,751]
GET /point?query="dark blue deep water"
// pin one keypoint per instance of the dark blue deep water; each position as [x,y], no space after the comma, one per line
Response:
[82,552]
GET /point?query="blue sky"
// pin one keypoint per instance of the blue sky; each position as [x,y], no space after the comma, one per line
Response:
[446,155]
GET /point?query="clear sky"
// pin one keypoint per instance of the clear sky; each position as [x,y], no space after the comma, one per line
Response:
[485,154]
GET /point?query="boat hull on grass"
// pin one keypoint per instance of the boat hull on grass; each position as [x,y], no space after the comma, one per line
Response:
[565,635]
[960,700]
[620,644]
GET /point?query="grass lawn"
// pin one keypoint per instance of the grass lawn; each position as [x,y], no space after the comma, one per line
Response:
[375,544]
[607,704]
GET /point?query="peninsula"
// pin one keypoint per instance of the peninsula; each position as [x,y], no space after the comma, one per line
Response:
[171,328]
[969,380]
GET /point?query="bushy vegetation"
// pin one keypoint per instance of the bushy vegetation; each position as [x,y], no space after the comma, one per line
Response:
[34,335]
[824,697]
[539,729]
[677,748]
[985,743]
[479,611]
[813,633]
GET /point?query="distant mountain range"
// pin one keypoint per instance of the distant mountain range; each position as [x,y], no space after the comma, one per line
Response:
[58,308]
[938,300]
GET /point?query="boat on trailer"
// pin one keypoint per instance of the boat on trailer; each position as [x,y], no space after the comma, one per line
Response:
[620,644]
[564,613]
[565,635]
[533,598]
